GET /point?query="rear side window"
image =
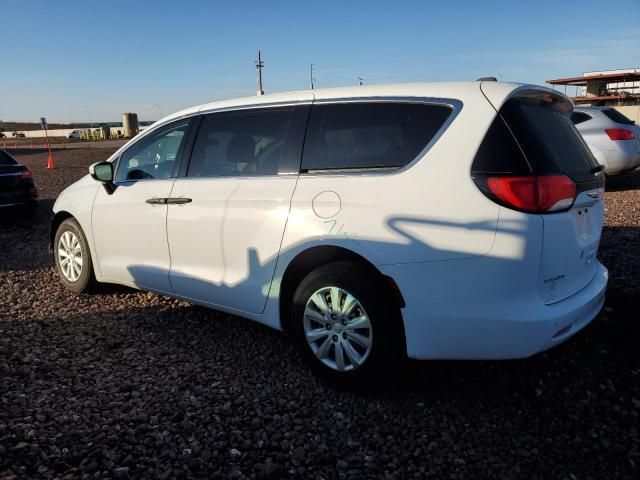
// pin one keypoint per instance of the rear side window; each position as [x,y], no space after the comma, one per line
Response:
[617,117]
[579,117]
[542,140]
[369,135]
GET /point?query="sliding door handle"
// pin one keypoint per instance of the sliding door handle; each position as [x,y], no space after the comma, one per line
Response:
[178,201]
[156,201]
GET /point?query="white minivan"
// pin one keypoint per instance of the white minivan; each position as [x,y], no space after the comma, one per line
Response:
[428,220]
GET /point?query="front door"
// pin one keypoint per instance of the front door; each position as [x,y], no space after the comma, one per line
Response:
[225,238]
[129,225]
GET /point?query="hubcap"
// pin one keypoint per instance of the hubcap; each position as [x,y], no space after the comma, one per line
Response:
[337,329]
[70,256]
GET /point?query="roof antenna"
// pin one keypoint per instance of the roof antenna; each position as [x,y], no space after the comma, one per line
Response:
[487,79]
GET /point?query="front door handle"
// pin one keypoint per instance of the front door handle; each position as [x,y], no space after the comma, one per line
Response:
[156,201]
[178,201]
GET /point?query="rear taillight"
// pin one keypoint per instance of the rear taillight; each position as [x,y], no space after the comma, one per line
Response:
[26,174]
[619,134]
[535,194]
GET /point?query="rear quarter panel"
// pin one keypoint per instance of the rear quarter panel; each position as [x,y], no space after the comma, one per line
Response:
[430,211]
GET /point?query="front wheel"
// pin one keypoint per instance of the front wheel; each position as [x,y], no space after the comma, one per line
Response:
[72,257]
[344,324]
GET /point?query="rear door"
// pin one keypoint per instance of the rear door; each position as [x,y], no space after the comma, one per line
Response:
[551,144]
[226,234]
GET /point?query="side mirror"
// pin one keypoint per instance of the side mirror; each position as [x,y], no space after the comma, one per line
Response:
[103,172]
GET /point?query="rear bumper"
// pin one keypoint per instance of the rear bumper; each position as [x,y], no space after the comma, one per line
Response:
[619,161]
[461,325]
[575,312]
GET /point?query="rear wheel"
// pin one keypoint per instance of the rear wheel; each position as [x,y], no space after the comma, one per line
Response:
[344,325]
[72,257]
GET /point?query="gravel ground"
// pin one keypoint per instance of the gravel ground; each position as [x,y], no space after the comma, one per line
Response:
[125,384]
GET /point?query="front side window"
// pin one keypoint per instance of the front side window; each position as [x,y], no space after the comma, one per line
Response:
[154,155]
[243,143]
[369,135]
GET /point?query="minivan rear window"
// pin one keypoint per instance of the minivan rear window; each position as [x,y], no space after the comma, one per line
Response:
[617,117]
[548,138]
[369,135]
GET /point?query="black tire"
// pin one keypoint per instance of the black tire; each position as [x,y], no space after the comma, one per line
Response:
[384,316]
[86,280]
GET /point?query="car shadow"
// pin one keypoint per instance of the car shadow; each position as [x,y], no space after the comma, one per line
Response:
[624,182]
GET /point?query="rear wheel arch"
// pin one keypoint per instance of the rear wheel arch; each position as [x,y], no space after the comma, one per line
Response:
[308,260]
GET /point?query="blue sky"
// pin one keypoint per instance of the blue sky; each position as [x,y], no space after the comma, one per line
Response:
[64,59]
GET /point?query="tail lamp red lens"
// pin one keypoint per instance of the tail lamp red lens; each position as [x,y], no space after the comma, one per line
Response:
[26,174]
[620,134]
[539,194]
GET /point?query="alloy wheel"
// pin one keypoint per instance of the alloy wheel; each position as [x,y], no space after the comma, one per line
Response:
[70,256]
[337,329]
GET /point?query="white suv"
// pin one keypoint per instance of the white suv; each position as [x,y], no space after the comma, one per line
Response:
[445,220]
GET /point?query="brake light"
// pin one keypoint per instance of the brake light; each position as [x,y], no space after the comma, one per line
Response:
[545,193]
[26,174]
[619,134]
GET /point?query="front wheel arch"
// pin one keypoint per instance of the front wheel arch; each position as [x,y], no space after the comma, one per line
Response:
[57,219]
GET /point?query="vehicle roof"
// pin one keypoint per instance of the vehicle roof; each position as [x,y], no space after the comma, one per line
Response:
[445,90]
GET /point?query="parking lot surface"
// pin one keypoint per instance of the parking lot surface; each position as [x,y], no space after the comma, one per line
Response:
[126,384]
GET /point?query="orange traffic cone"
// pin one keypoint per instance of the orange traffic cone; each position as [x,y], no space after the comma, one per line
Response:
[50,163]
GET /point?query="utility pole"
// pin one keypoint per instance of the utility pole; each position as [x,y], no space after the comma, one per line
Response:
[259,65]
[360,79]
[311,76]
[159,110]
